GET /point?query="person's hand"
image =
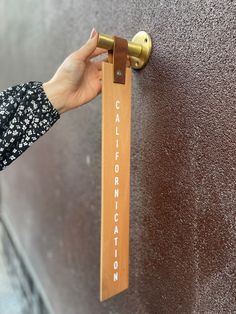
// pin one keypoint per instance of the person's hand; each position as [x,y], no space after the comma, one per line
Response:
[78,79]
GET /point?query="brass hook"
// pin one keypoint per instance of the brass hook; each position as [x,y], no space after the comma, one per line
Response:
[139,48]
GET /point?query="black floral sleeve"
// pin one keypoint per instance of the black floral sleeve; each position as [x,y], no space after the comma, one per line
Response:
[25,114]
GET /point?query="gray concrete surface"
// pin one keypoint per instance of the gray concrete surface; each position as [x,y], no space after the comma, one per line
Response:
[11,301]
[18,293]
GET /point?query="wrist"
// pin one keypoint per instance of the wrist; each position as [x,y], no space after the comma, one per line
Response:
[56,95]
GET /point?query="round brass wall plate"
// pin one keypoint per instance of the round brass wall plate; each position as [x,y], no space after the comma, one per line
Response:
[144,39]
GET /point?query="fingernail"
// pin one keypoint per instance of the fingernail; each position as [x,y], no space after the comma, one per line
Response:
[93,33]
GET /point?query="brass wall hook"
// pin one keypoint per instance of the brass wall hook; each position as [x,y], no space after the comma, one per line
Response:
[139,48]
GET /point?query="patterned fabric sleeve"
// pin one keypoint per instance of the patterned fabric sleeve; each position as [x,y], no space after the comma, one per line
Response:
[25,114]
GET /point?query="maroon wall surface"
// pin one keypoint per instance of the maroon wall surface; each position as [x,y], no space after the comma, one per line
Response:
[183,193]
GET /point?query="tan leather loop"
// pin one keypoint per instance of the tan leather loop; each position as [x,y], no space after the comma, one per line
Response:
[120,52]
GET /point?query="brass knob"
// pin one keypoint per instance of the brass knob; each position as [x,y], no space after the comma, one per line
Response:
[139,48]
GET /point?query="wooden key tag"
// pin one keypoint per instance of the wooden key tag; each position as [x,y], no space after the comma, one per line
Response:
[115,195]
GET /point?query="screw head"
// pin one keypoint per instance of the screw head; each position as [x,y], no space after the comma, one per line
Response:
[119,73]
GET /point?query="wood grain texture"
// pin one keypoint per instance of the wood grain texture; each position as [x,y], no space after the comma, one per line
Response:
[116,116]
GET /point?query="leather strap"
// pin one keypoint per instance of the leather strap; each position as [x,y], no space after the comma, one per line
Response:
[120,52]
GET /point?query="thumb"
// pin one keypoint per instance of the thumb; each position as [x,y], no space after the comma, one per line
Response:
[88,48]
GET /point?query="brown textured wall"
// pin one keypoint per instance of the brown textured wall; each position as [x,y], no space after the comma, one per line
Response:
[183,193]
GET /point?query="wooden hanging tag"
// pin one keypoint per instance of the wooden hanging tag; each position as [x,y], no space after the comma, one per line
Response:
[116,124]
